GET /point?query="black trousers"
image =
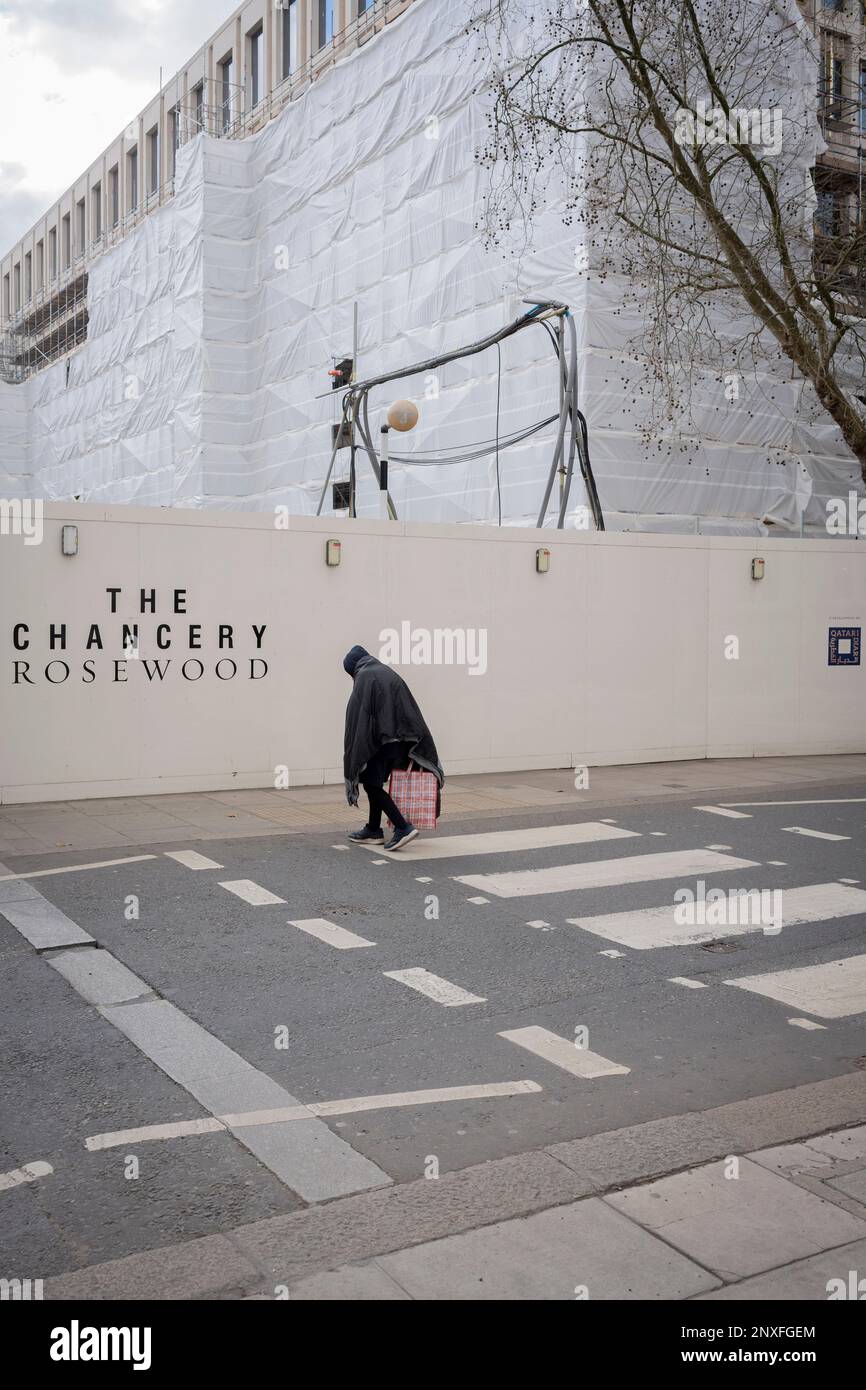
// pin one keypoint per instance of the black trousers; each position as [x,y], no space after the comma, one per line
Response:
[380,801]
[377,771]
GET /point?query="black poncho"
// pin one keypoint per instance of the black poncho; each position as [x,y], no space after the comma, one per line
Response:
[381,708]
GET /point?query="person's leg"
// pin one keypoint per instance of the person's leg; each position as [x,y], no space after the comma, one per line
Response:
[392,810]
[374,817]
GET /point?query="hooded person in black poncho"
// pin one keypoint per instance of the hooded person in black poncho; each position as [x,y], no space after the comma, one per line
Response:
[384,730]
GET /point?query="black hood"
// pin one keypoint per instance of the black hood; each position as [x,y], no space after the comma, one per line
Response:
[351,659]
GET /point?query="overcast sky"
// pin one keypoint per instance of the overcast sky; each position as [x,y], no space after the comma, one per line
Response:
[73,73]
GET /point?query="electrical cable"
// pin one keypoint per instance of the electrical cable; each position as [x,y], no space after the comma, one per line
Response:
[498,391]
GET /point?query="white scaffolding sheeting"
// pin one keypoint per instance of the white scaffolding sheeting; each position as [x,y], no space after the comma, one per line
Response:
[213,324]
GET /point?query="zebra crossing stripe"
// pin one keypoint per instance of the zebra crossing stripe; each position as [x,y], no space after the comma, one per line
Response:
[509,841]
[442,991]
[652,927]
[562,1053]
[836,989]
[604,873]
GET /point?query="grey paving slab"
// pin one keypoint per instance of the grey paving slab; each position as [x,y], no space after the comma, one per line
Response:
[808,1279]
[17,890]
[98,976]
[553,1255]
[848,1145]
[738,1226]
[853,1185]
[353,1283]
[306,1155]
[43,924]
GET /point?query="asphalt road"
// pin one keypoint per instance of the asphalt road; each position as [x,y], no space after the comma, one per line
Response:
[302,1020]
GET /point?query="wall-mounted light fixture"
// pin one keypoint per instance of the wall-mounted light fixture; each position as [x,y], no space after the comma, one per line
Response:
[542,560]
[69,540]
[333,552]
[757,568]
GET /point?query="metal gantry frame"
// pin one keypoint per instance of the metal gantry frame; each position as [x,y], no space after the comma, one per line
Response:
[571,422]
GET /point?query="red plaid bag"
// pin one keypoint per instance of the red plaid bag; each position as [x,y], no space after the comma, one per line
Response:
[416,794]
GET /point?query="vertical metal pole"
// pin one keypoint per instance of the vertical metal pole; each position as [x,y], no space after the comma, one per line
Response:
[560,333]
[383,475]
[354,377]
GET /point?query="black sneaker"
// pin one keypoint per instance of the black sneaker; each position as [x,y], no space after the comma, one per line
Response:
[402,837]
[366,833]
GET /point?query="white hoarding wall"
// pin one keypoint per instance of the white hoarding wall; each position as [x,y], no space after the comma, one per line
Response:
[212,326]
[190,650]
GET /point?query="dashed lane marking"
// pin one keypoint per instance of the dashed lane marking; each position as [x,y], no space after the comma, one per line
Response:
[815,834]
[687,983]
[562,1053]
[191,859]
[329,932]
[723,811]
[442,991]
[250,892]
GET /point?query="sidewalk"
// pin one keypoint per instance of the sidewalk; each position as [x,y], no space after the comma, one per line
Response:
[763,1198]
[118,822]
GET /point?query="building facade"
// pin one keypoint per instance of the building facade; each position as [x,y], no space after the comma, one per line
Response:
[265,55]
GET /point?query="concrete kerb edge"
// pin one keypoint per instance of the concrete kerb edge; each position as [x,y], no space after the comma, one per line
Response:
[281,1250]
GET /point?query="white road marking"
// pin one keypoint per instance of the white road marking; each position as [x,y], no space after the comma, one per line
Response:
[77,868]
[380,861]
[849,880]
[478,900]
[723,811]
[806,1023]
[509,841]
[191,859]
[686,982]
[778,863]
[649,928]
[822,801]
[423,880]
[603,873]
[836,989]
[540,924]
[309,1158]
[562,1053]
[434,987]
[339,846]
[181,1129]
[661,834]
[816,834]
[29,1173]
[330,933]
[251,892]
[614,955]
[248,1119]
[721,847]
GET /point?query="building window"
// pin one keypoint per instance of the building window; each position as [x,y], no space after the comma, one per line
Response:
[16,286]
[80,227]
[7,301]
[829,212]
[96,211]
[66,241]
[198,105]
[863,96]
[28,278]
[364,6]
[326,22]
[153,160]
[114,195]
[256,60]
[291,37]
[226,68]
[40,265]
[52,253]
[132,179]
